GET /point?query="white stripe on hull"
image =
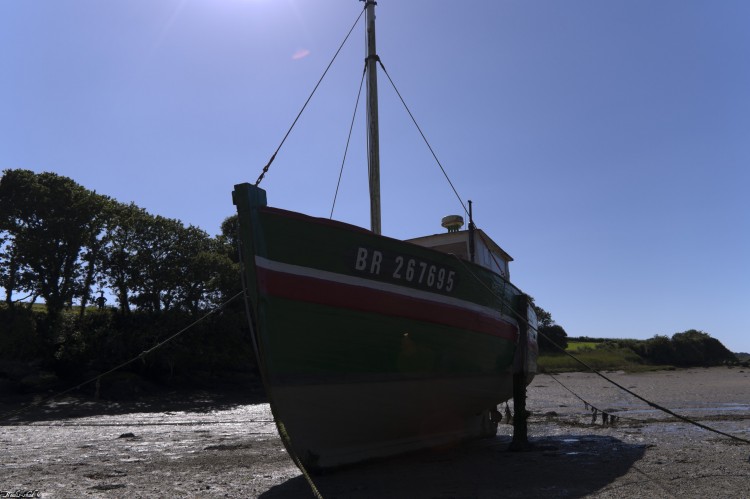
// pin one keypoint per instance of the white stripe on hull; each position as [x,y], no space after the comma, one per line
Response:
[299,270]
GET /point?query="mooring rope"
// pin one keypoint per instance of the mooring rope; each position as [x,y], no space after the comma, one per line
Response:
[607,416]
[598,373]
[141,355]
[280,427]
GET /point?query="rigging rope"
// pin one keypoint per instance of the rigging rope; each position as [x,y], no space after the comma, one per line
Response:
[273,156]
[141,355]
[346,149]
[423,136]
[588,367]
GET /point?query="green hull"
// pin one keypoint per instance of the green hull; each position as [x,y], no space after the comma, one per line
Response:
[371,346]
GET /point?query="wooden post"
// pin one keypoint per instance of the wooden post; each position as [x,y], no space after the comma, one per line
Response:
[472,248]
[520,428]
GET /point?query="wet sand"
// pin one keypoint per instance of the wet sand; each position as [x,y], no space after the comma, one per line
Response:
[208,445]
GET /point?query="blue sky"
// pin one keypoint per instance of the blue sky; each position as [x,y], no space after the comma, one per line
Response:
[605,144]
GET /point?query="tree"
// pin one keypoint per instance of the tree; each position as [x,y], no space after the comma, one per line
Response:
[155,258]
[93,256]
[696,348]
[552,337]
[121,246]
[228,242]
[658,350]
[9,271]
[229,238]
[209,274]
[543,317]
[13,276]
[51,219]
[194,260]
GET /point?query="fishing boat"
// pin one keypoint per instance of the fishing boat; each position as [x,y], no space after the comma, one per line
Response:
[371,346]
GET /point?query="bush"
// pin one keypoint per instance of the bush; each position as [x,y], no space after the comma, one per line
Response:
[18,334]
[78,348]
[686,349]
[552,338]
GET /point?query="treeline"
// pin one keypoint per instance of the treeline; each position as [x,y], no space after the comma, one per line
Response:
[687,349]
[552,337]
[62,242]
[690,348]
[71,248]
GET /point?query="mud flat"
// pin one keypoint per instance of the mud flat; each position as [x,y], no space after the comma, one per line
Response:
[204,445]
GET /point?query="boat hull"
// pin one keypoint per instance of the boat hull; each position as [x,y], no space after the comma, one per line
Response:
[370,346]
[334,424]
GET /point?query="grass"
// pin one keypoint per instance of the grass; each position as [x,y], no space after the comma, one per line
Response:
[600,356]
[42,308]
[576,346]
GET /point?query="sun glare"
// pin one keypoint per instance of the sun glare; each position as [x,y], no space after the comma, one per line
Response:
[300,54]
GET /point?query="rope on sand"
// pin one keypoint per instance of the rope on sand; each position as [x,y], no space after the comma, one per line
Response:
[607,418]
[650,403]
[598,373]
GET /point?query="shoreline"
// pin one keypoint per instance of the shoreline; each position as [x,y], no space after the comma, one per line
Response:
[229,447]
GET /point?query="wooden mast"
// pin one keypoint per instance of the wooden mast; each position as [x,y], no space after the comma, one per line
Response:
[372,119]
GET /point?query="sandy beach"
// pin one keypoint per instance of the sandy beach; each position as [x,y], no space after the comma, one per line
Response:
[209,445]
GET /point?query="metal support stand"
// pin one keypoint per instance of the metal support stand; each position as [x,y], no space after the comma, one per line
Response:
[520,427]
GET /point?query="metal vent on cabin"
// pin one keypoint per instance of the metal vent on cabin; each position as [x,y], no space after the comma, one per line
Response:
[453,222]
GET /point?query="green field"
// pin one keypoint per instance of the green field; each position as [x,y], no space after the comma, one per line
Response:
[600,355]
[42,308]
[577,346]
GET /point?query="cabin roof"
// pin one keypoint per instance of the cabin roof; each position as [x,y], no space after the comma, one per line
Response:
[461,236]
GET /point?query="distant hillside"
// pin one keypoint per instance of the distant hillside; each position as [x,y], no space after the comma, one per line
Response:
[687,349]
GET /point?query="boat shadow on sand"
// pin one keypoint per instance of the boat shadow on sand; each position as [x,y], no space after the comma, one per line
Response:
[559,466]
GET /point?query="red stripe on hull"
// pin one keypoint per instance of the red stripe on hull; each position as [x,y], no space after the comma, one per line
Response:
[364,299]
